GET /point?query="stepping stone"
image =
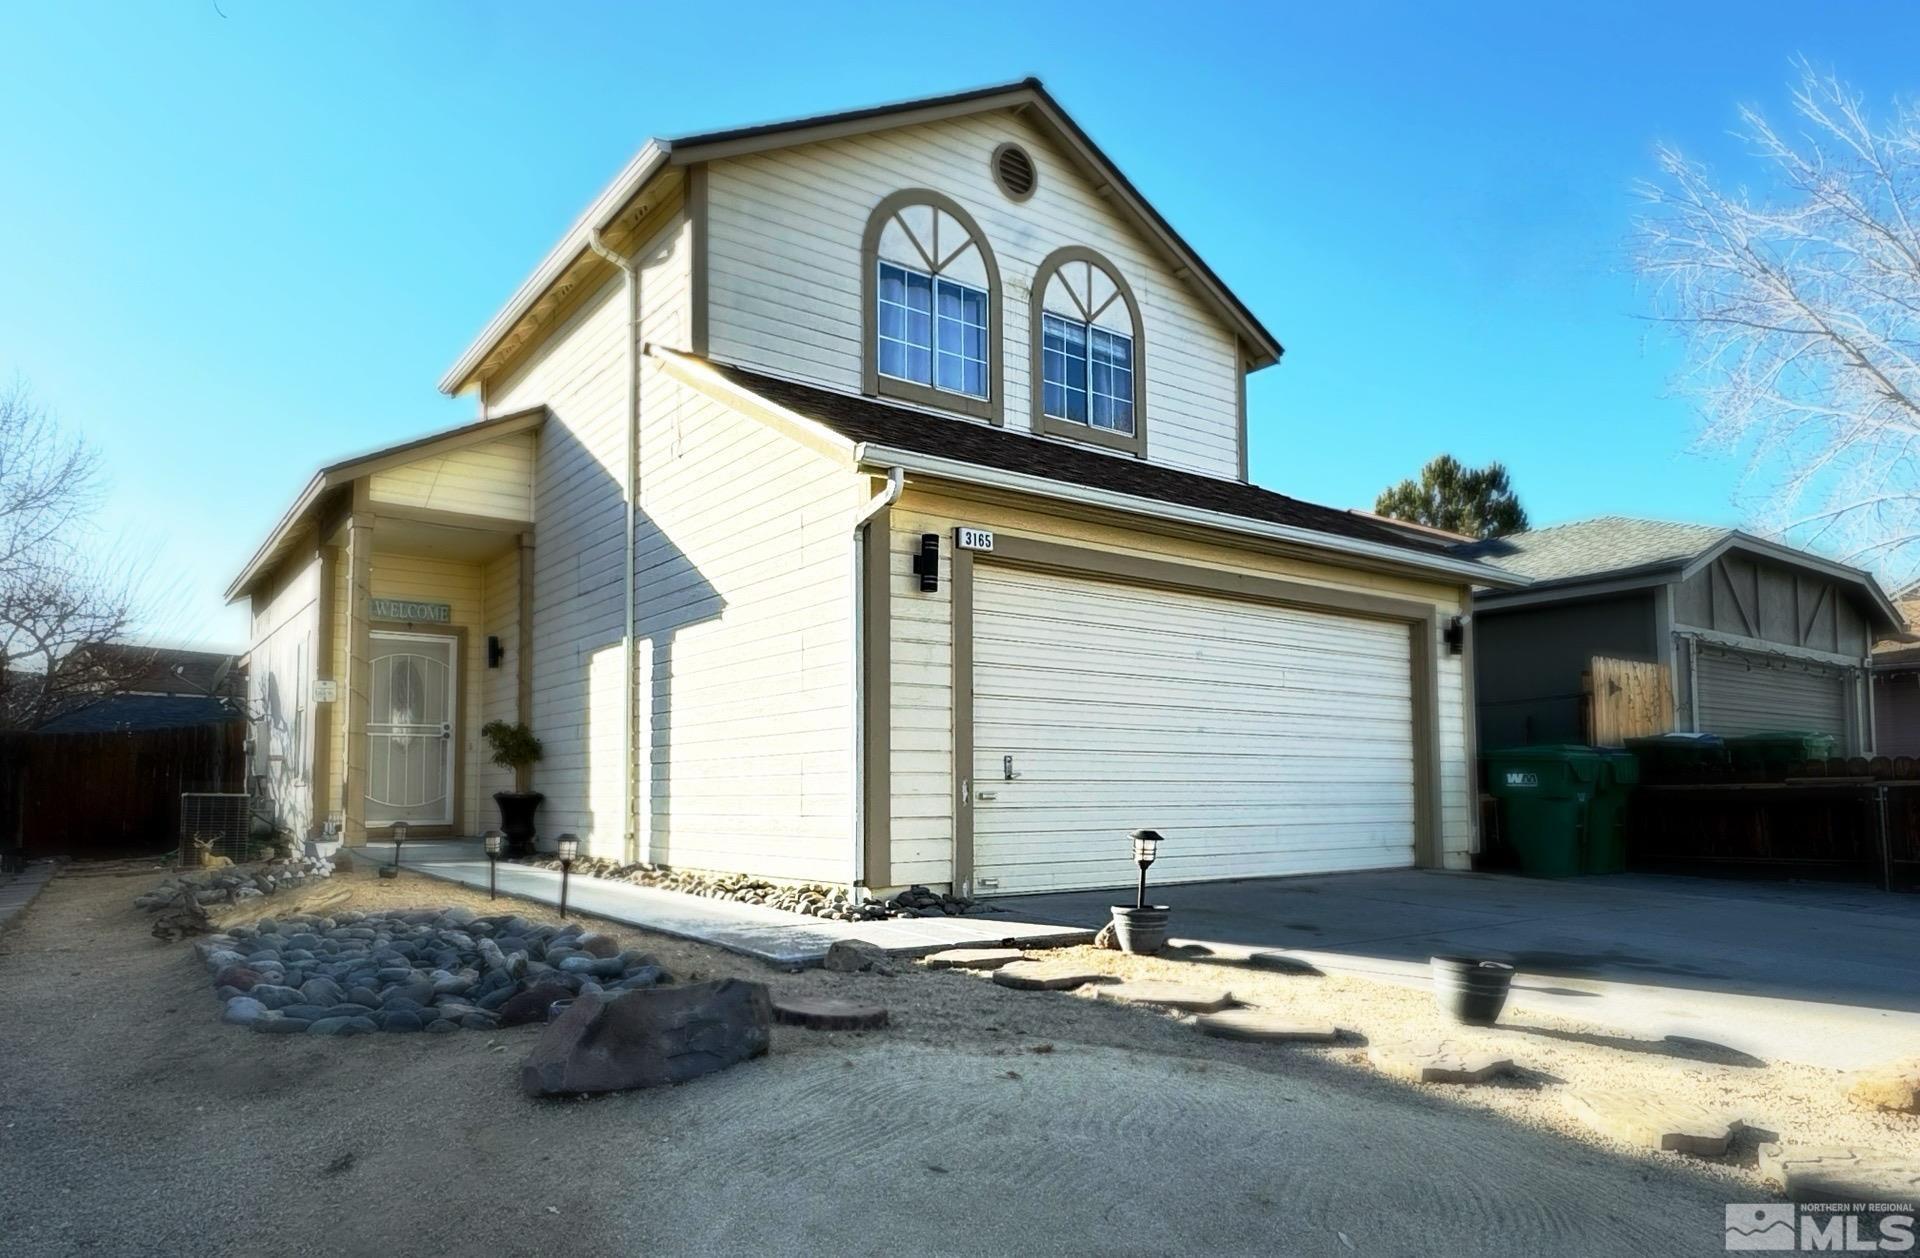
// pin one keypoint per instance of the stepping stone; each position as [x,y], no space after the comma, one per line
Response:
[973,958]
[1282,963]
[1651,1122]
[823,1013]
[1438,1061]
[1840,1173]
[1189,997]
[1265,1026]
[1037,976]
[1894,1085]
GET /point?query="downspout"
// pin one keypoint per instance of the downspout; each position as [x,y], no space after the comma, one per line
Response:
[629,670]
[890,494]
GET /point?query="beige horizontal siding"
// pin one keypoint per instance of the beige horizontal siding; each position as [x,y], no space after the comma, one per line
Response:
[785,270]
[493,479]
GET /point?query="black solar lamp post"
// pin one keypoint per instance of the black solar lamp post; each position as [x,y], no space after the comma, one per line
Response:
[399,837]
[494,842]
[1146,849]
[569,850]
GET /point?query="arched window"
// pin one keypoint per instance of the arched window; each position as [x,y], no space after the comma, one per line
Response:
[931,302]
[1089,355]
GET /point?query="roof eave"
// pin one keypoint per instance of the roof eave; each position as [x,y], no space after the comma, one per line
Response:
[648,162]
[346,471]
[1371,554]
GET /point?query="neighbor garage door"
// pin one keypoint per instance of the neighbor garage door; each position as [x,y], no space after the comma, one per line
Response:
[1742,693]
[1259,740]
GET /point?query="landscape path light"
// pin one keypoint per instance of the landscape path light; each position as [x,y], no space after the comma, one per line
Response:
[493,842]
[569,849]
[1142,928]
[399,837]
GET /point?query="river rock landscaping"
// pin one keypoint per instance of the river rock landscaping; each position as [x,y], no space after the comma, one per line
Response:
[809,899]
[435,970]
[236,882]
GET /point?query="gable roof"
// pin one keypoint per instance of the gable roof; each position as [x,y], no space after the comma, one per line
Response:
[334,477]
[884,431]
[1607,545]
[1029,95]
[1621,550]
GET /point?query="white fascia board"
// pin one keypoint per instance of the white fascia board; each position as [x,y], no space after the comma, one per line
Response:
[645,164]
[698,374]
[266,553]
[1377,554]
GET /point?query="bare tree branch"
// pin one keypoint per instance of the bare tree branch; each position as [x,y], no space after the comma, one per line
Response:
[1800,311]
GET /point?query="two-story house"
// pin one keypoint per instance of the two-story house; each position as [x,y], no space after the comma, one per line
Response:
[864,499]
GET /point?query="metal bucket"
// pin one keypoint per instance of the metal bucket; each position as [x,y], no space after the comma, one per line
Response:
[1142,931]
[1470,990]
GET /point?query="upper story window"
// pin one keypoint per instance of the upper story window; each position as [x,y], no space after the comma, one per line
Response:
[1088,353]
[932,331]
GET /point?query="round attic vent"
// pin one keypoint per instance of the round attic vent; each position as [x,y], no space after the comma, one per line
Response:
[1013,171]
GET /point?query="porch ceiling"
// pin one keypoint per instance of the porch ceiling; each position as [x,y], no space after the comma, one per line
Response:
[464,542]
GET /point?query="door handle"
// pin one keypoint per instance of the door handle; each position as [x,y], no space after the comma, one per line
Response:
[446,730]
[986,795]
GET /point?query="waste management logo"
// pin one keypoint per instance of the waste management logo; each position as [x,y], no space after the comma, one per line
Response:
[1838,1227]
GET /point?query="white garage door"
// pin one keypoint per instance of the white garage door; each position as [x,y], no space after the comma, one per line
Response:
[1259,740]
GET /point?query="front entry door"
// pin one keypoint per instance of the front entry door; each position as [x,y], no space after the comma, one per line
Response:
[410,730]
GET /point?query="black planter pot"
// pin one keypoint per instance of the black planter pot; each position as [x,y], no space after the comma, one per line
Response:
[1142,931]
[1470,990]
[516,819]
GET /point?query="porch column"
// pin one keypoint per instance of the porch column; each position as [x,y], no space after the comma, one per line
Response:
[358,683]
[321,790]
[523,654]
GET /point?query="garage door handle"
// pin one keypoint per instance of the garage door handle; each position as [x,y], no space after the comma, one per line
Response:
[986,795]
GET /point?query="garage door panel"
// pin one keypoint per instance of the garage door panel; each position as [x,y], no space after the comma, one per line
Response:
[1260,740]
[1032,678]
[1746,693]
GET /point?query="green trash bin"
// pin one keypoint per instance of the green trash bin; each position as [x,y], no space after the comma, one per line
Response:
[1545,796]
[1774,752]
[1606,847]
[1680,758]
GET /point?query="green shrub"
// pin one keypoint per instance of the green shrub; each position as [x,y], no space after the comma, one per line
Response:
[514,745]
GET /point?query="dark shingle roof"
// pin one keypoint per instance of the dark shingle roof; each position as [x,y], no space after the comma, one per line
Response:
[1589,548]
[862,419]
[140,712]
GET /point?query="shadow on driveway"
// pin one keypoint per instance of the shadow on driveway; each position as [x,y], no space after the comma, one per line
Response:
[1792,941]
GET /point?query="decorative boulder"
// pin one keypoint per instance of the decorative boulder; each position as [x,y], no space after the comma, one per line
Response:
[642,1039]
[853,956]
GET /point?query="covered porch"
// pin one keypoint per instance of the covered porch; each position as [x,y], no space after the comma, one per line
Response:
[393,616]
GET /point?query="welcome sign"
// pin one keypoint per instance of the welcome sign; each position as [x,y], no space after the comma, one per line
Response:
[412,610]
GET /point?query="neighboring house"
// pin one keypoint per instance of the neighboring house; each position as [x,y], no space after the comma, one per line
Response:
[864,499]
[129,686]
[1755,636]
[1896,685]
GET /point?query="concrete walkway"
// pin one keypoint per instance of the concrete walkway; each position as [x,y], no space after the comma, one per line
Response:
[1820,974]
[771,935]
[18,890]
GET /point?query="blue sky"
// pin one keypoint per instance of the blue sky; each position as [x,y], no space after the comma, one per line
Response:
[233,247]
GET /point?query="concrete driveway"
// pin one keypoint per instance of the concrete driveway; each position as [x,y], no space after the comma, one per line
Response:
[1824,974]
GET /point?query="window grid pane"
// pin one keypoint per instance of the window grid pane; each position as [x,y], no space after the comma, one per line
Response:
[931,331]
[1112,388]
[905,324]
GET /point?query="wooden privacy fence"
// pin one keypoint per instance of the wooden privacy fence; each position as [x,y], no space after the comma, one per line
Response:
[1863,830]
[91,795]
[1627,699]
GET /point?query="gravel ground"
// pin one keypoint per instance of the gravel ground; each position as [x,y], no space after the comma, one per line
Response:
[983,1121]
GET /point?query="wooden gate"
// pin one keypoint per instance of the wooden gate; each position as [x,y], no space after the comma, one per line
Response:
[1627,699]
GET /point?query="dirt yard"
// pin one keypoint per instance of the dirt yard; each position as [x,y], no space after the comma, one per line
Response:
[983,1120]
